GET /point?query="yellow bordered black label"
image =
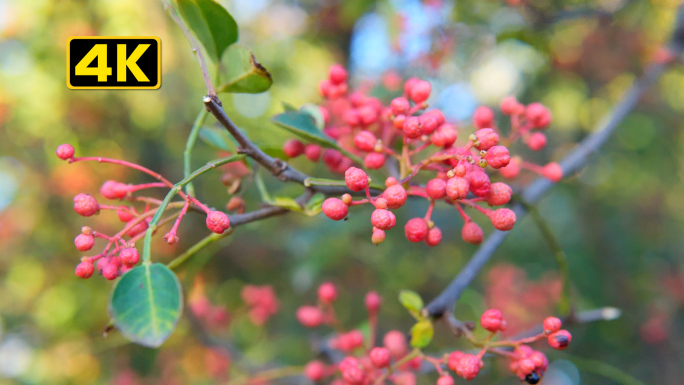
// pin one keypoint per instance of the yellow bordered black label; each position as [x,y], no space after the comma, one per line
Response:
[113,63]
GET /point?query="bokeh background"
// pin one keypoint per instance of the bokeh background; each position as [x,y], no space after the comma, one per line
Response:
[620,220]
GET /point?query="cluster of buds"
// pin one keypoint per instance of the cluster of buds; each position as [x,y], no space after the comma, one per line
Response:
[365,363]
[420,140]
[119,254]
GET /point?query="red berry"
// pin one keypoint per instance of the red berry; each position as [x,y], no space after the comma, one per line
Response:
[315,370]
[367,115]
[395,342]
[112,189]
[372,302]
[497,157]
[374,160]
[129,256]
[434,236]
[536,141]
[413,127]
[483,117]
[85,205]
[335,209]
[491,320]
[553,172]
[472,233]
[503,219]
[310,316]
[347,342]
[378,236]
[380,357]
[327,293]
[400,106]
[436,188]
[399,122]
[541,363]
[380,203]
[429,123]
[510,106]
[468,366]
[325,88]
[312,152]
[457,188]
[85,269]
[445,380]
[365,141]
[453,359]
[438,115]
[391,181]
[420,91]
[499,194]
[218,222]
[332,158]
[137,228]
[383,219]
[478,182]
[354,376]
[486,138]
[337,74]
[110,271]
[348,362]
[293,148]
[552,324]
[84,242]
[124,215]
[512,170]
[445,135]
[351,117]
[65,151]
[416,230]
[526,366]
[538,115]
[560,339]
[395,196]
[356,179]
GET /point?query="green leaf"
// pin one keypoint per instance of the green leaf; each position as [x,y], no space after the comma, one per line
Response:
[303,125]
[286,202]
[146,304]
[421,334]
[211,23]
[288,107]
[411,300]
[216,137]
[315,205]
[243,72]
[315,112]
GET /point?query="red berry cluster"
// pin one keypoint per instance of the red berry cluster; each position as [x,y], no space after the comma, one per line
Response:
[365,363]
[406,131]
[119,254]
[261,302]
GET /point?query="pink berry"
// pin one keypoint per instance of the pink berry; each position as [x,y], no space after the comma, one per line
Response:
[383,219]
[483,117]
[499,194]
[112,189]
[453,359]
[347,342]
[136,228]
[497,157]
[412,127]
[434,236]
[325,88]
[552,324]
[512,170]
[540,361]
[374,160]
[395,342]
[445,380]
[65,151]
[457,188]
[428,123]
[356,179]
[354,376]
[436,188]
[335,209]
[218,222]
[472,233]
[420,91]
[124,215]
[491,320]
[538,115]
[438,115]
[380,203]
[110,271]
[129,256]
[312,152]
[86,205]
[536,141]
[468,366]
[327,293]
[380,357]
[348,362]
[510,106]
[85,269]
[400,106]
[486,138]
[478,182]
[416,230]
[395,195]
[445,135]
[526,366]
[378,236]
[372,302]
[84,242]
[293,148]
[315,370]
[310,316]
[367,115]
[553,172]
[560,339]
[351,117]
[332,158]
[391,181]
[365,141]
[503,219]
[337,74]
